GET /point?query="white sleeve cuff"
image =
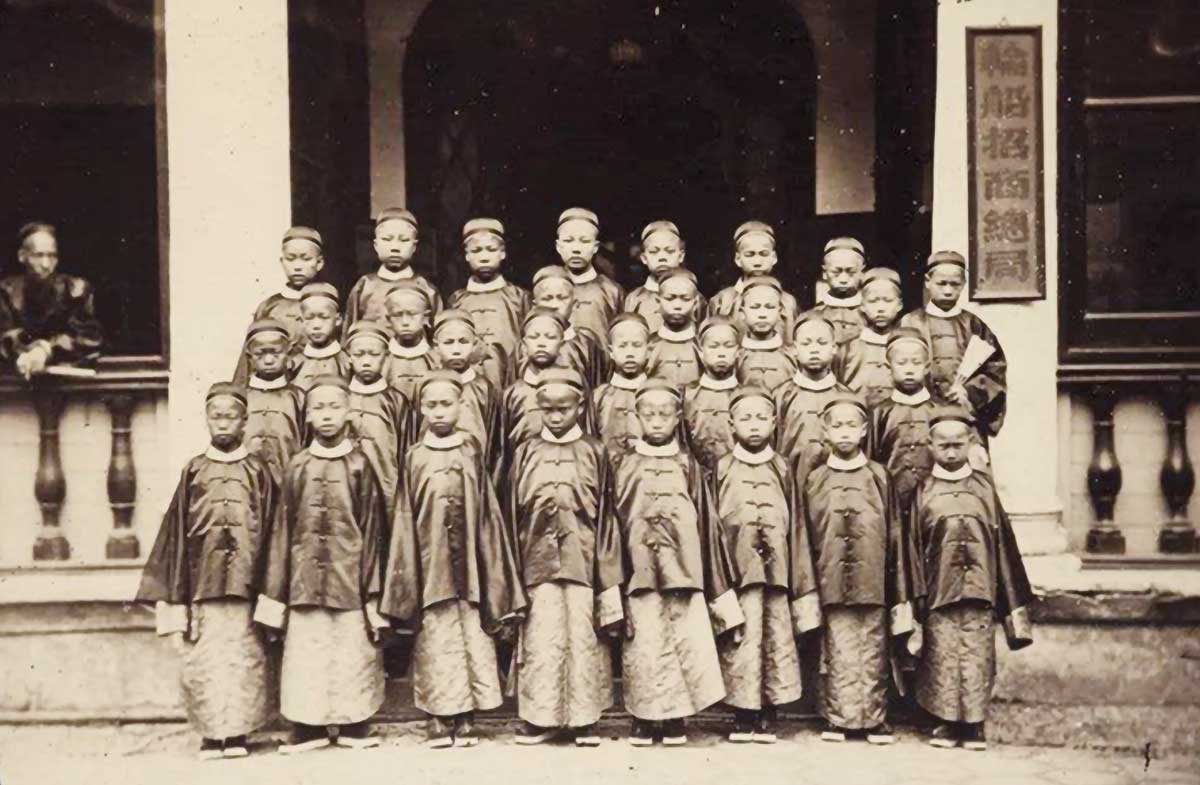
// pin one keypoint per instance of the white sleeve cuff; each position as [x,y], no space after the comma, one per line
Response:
[726,612]
[272,613]
[608,607]
[806,613]
[1018,629]
[170,618]
[374,618]
[902,618]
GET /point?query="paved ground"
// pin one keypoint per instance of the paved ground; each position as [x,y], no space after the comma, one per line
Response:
[162,755]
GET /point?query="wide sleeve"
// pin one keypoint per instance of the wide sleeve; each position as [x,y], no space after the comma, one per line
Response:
[402,576]
[496,437]
[165,578]
[1014,594]
[987,389]
[500,576]
[271,608]
[898,588]
[802,574]
[353,308]
[84,336]
[719,576]
[609,573]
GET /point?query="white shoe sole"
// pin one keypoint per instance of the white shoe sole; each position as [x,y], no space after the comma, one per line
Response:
[529,741]
[765,738]
[741,738]
[836,738]
[235,752]
[353,743]
[943,744]
[306,746]
[587,741]
[467,742]
[641,742]
[210,754]
[439,744]
[975,746]
[674,741]
[881,740]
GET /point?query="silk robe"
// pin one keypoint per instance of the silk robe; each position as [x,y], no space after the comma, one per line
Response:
[497,314]
[407,366]
[614,413]
[283,307]
[861,365]
[799,431]
[382,424]
[707,422]
[769,368]
[307,364]
[367,298]
[644,302]
[275,426]
[728,302]
[597,301]
[58,310]
[673,359]
[847,321]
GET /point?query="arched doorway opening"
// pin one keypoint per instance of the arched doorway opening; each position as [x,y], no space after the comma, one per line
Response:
[701,113]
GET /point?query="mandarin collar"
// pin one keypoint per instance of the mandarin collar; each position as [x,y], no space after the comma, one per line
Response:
[651,284]
[232,456]
[826,382]
[339,450]
[321,352]
[622,382]
[846,464]
[641,447]
[730,382]
[468,376]
[916,399]
[288,293]
[435,442]
[395,275]
[753,458]
[833,301]
[531,377]
[870,336]
[685,335]
[587,276]
[494,285]
[763,344]
[933,310]
[419,349]
[573,435]
[361,388]
[961,473]
[256,382]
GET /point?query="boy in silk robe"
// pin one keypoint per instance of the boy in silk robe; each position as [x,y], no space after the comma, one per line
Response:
[861,557]
[764,358]
[948,330]
[899,437]
[800,437]
[583,350]
[323,580]
[613,403]
[46,317]
[861,362]
[663,250]
[396,238]
[204,574]
[840,300]
[301,258]
[452,574]
[971,576]
[680,588]
[380,417]
[496,305]
[673,353]
[598,298]
[754,255]
[275,408]
[707,424]
[320,353]
[410,355]
[569,550]
[455,343]
[758,503]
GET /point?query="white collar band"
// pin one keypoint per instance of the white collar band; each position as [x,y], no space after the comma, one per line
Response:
[494,285]
[833,301]
[288,293]
[233,456]
[467,376]
[569,334]
[730,382]
[398,349]
[339,450]
[826,382]
[321,352]
[753,458]
[916,399]
[573,435]
[846,464]
[763,344]
[685,335]
[361,388]
[934,310]
[651,284]
[256,382]
[961,473]
[587,276]
[870,336]
[433,441]
[642,447]
[395,275]
[622,382]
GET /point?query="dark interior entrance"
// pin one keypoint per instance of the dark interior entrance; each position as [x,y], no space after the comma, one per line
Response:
[701,113]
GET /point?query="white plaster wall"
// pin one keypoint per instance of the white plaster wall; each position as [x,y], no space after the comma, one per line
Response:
[1025,454]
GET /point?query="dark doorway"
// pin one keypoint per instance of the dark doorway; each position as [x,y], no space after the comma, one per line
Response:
[701,113]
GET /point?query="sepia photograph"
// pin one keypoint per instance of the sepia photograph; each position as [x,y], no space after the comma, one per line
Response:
[599,391]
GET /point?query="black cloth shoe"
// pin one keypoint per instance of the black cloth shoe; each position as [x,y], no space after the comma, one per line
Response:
[674,733]
[356,736]
[881,734]
[641,734]
[438,733]
[833,733]
[945,736]
[764,726]
[210,749]
[305,738]
[974,737]
[529,734]
[587,736]
[743,726]
[465,734]
[235,747]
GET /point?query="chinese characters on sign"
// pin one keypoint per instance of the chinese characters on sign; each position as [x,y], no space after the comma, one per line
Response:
[1004,119]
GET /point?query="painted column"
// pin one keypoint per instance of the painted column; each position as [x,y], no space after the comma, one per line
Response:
[228,149]
[1026,453]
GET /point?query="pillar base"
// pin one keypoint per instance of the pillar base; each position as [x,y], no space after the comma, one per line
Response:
[122,546]
[1106,541]
[53,547]
[1177,540]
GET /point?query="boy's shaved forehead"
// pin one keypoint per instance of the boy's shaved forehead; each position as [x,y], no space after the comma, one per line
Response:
[657,398]
[406,296]
[577,227]
[950,429]
[629,326]
[679,283]
[558,391]
[842,411]
[437,388]
[810,326]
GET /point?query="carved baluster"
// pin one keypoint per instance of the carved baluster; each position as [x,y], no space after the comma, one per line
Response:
[49,485]
[122,480]
[1104,475]
[1177,478]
